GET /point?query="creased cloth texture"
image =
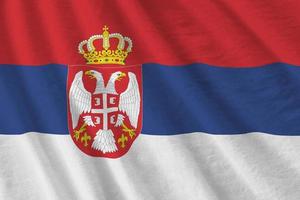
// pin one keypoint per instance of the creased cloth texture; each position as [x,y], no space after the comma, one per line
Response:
[191,166]
[176,100]
[218,32]
[221,33]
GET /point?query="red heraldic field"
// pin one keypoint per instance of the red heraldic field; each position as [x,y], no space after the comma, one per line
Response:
[104,108]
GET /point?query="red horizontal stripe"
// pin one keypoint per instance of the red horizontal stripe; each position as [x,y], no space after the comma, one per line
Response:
[219,32]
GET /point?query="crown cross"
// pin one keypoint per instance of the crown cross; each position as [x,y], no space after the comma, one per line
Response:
[105,28]
[105,55]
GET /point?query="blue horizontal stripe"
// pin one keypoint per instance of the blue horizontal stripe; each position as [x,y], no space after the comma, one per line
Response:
[182,99]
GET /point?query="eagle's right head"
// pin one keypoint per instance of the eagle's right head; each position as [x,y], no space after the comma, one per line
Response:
[117,76]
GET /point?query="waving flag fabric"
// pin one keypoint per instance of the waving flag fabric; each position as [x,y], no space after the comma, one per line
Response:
[220,100]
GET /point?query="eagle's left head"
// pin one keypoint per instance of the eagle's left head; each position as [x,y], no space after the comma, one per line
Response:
[93,74]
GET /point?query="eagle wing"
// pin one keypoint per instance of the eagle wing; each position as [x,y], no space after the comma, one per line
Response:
[79,98]
[130,100]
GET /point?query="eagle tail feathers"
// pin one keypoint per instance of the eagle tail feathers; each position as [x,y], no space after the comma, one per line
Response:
[104,141]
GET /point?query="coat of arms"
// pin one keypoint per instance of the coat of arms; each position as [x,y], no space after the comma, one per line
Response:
[105,97]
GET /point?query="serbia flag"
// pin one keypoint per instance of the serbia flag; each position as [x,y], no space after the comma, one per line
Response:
[150,99]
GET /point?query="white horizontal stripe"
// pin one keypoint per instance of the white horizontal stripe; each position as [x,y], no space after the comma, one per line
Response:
[191,166]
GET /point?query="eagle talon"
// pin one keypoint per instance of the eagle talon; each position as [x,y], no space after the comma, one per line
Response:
[131,132]
[76,135]
[78,132]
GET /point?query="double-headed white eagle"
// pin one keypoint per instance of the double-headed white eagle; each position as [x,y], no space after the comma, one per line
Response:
[81,102]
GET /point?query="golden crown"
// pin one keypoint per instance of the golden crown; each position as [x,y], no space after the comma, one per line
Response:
[106,55]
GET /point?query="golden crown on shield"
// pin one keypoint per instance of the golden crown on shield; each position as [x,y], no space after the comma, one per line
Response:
[106,55]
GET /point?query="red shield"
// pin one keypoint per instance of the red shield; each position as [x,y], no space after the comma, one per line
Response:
[104,108]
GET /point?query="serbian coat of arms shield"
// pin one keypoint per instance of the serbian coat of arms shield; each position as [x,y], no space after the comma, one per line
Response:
[104,98]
